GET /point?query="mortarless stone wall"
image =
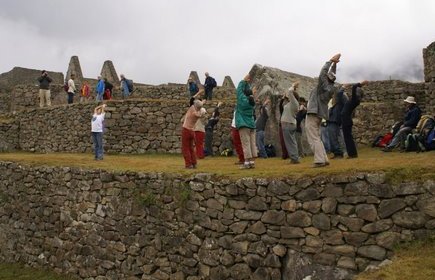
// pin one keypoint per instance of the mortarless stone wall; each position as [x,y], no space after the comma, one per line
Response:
[101,225]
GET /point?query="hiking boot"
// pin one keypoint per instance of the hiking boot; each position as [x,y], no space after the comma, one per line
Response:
[294,161]
[336,156]
[387,150]
[320,164]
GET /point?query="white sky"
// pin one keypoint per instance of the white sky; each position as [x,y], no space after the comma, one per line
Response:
[161,41]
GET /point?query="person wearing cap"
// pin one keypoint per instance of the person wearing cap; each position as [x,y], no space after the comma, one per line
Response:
[288,123]
[245,121]
[346,118]
[412,116]
[193,114]
[317,109]
[44,89]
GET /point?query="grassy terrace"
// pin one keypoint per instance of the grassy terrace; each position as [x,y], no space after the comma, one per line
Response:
[398,166]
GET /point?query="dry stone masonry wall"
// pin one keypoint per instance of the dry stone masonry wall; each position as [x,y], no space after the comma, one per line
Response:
[102,225]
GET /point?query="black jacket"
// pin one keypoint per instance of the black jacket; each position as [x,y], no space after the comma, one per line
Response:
[44,82]
[335,111]
[350,105]
[412,116]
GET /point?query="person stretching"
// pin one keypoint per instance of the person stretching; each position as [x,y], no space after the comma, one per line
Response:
[192,115]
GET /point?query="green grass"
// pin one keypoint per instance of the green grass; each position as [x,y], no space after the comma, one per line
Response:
[415,261]
[19,272]
[398,166]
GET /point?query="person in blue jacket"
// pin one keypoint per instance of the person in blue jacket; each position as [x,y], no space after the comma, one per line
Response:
[412,116]
[100,89]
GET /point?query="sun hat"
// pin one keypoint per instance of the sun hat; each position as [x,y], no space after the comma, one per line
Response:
[410,99]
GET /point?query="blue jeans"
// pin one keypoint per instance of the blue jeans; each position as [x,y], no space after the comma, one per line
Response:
[334,136]
[70,97]
[97,138]
[99,97]
[289,134]
[400,137]
[260,143]
[325,138]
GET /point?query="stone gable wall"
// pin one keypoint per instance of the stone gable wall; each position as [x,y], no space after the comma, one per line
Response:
[160,226]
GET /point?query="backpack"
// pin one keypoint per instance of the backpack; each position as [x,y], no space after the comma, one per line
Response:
[412,143]
[66,87]
[270,150]
[130,85]
[430,140]
[107,95]
[213,83]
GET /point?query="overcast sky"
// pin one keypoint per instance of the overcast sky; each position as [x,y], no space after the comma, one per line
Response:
[161,41]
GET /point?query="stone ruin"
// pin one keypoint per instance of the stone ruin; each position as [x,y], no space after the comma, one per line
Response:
[108,71]
[75,68]
[25,76]
[228,82]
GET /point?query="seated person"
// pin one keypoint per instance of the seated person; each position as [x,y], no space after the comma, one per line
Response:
[412,116]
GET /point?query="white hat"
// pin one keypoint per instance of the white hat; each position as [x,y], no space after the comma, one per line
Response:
[410,99]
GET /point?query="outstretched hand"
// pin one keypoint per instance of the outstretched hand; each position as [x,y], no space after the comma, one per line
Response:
[336,58]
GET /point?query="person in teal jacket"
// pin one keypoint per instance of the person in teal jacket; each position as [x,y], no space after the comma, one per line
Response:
[245,121]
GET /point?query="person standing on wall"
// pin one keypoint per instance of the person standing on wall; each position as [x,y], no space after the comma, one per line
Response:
[126,86]
[71,89]
[192,87]
[44,89]
[317,109]
[100,89]
[209,127]
[346,118]
[209,85]
[97,127]
[288,122]
[260,126]
[334,123]
[192,115]
[245,121]
[108,88]
[85,92]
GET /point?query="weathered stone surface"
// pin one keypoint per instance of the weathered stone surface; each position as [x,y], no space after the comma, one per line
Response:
[378,226]
[308,194]
[257,228]
[261,273]
[375,178]
[312,206]
[321,221]
[372,251]
[292,232]
[289,205]
[412,220]
[324,258]
[329,205]
[257,203]
[279,250]
[239,227]
[356,189]
[353,224]
[345,210]
[299,219]
[248,215]
[408,188]
[332,237]
[332,191]
[355,238]
[387,239]
[381,190]
[313,241]
[347,262]
[427,206]
[391,206]
[342,250]
[366,212]
[240,271]
[273,217]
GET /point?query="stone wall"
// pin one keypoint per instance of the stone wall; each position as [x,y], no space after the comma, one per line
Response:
[429,75]
[25,76]
[132,126]
[96,224]
[9,131]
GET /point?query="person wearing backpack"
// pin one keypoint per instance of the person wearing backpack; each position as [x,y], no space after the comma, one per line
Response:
[44,89]
[209,85]
[126,86]
[412,116]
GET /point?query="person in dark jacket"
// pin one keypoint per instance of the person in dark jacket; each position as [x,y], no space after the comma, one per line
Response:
[300,117]
[192,87]
[260,127]
[346,118]
[108,89]
[209,127]
[412,116]
[334,123]
[44,89]
[209,84]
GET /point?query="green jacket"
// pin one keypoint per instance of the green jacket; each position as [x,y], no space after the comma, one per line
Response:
[244,110]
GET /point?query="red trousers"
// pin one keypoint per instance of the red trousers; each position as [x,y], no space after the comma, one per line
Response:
[187,144]
[281,141]
[237,143]
[199,144]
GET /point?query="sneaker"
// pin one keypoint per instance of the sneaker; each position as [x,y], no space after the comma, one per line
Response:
[245,166]
[293,161]
[336,156]
[251,164]
[190,167]
[387,150]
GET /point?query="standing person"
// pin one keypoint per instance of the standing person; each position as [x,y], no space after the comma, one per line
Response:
[97,127]
[288,122]
[317,109]
[71,89]
[199,130]
[260,126]
[412,116]
[85,92]
[44,89]
[108,88]
[100,89]
[334,123]
[187,134]
[209,85]
[237,142]
[126,86]
[284,152]
[346,118]
[300,117]
[192,87]
[245,121]
[212,122]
